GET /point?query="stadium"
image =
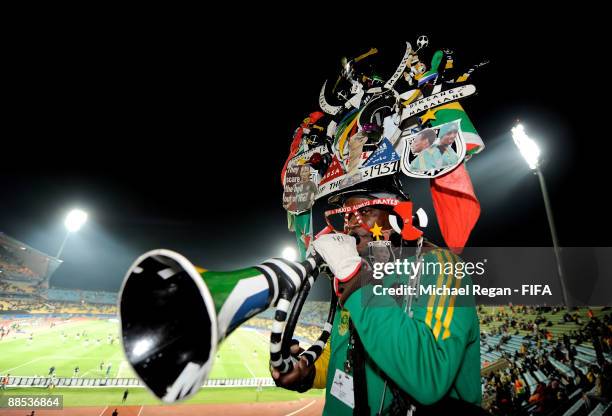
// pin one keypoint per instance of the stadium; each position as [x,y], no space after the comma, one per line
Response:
[58,341]
[186,273]
[48,333]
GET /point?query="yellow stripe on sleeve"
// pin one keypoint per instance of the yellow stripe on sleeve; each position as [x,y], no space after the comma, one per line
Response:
[441,303]
[432,299]
[449,313]
[448,319]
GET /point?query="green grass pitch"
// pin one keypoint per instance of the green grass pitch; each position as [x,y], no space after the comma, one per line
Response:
[244,354]
[76,397]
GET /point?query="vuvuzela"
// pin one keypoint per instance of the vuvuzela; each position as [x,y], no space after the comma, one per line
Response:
[173,315]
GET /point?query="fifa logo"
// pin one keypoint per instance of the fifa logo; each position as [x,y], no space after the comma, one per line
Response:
[535,290]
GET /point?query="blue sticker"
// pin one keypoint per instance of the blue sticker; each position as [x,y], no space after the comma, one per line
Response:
[384,153]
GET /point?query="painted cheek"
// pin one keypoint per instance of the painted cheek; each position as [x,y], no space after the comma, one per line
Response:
[353,221]
[369,220]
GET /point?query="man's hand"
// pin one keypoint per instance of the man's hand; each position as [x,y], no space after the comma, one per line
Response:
[299,379]
[340,253]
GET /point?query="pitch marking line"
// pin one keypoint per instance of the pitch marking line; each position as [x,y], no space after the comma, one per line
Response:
[102,412]
[24,364]
[87,372]
[120,370]
[248,368]
[301,408]
[141,407]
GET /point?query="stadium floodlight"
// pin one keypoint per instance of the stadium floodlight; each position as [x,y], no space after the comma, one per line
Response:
[527,146]
[531,153]
[73,222]
[289,254]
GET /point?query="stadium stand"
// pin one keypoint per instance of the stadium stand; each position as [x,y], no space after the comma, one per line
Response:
[68,295]
[534,360]
[552,362]
[22,263]
[308,329]
[24,279]
[36,306]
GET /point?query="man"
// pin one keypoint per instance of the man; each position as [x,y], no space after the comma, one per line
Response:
[428,157]
[385,355]
[305,190]
[53,382]
[448,134]
[302,193]
[4,382]
[125,394]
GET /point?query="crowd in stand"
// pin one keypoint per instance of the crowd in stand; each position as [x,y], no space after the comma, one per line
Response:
[9,288]
[309,326]
[313,313]
[506,391]
[10,265]
[72,295]
[16,271]
[305,332]
[37,306]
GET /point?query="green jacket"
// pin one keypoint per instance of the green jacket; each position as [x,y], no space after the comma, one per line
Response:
[433,354]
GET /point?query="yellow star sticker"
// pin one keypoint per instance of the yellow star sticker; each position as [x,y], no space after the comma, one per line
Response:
[376,231]
[429,115]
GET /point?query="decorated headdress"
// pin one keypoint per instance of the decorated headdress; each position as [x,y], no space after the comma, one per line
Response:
[369,131]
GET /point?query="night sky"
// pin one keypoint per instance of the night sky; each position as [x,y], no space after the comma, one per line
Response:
[179,143]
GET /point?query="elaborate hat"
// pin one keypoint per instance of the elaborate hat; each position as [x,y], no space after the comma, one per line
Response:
[363,144]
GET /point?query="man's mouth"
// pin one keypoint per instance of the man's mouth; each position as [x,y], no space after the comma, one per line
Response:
[359,234]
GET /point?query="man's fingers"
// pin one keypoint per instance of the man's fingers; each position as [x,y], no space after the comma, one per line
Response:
[295,375]
[291,377]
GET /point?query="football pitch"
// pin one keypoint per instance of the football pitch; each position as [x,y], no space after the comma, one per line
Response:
[244,354]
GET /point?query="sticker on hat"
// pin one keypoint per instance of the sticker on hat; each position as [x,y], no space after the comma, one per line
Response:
[433,151]
[300,191]
[355,146]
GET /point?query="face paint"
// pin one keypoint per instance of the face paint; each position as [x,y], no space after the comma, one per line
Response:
[357,211]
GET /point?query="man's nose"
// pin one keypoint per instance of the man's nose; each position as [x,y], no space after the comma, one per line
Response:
[353,222]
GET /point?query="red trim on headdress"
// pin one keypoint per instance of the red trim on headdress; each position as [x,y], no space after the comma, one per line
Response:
[409,231]
[297,140]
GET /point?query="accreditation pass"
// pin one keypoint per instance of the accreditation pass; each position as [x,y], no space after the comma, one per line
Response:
[342,388]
